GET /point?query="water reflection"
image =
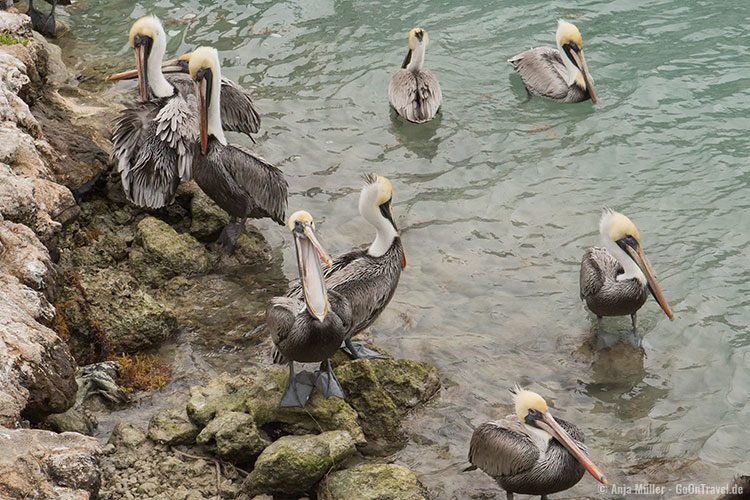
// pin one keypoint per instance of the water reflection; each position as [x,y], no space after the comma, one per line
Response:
[419,138]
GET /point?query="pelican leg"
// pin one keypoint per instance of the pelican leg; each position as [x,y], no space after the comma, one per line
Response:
[298,388]
[231,233]
[357,350]
[634,320]
[327,383]
[509,495]
[599,322]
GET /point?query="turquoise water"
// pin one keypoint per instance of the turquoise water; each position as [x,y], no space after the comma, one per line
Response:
[499,196]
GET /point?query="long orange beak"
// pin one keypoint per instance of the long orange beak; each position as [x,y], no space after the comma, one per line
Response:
[200,90]
[170,66]
[640,258]
[586,76]
[125,75]
[141,64]
[550,425]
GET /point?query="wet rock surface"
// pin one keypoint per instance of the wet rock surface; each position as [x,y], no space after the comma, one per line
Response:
[373,482]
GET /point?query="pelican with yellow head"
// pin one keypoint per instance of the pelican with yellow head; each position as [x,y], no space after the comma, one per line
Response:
[559,74]
[531,452]
[616,279]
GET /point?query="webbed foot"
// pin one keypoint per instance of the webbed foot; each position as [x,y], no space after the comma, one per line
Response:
[357,350]
[327,383]
[298,388]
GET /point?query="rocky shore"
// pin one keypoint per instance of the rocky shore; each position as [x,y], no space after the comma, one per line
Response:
[90,282]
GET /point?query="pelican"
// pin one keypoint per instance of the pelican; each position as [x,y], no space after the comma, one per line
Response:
[616,279]
[44,23]
[239,182]
[414,92]
[153,139]
[531,452]
[559,74]
[238,113]
[308,326]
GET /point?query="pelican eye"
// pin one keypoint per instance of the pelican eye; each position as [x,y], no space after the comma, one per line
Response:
[139,40]
[628,241]
[533,415]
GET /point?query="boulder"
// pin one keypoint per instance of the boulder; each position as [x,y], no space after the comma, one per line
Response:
[43,464]
[172,426]
[294,464]
[126,435]
[207,218]
[234,436]
[372,482]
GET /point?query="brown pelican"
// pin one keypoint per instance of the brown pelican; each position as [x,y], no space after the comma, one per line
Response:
[308,325]
[616,279]
[238,113]
[559,74]
[44,23]
[239,182]
[531,452]
[414,91]
[154,140]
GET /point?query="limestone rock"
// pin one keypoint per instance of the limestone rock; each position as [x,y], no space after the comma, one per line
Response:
[207,218]
[235,436]
[43,464]
[294,464]
[172,426]
[126,435]
[28,260]
[372,482]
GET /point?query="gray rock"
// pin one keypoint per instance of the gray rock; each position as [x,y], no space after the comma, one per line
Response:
[294,464]
[172,427]
[372,482]
[126,435]
[207,218]
[235,436]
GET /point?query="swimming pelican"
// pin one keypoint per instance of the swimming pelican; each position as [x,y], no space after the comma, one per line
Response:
[153,139]
[616,279]
[531,452]
[559,74]
[242,184]
[238,113]
[308,326]
[414,92]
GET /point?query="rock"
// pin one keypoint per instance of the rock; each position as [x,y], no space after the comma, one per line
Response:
[172,427]
[408,383]
[294,464]
[73,420]
[207,218]
[372,482]
[126,435]
[252,248]
[28,260]
[43,464]
[162,253]
[107,311]
[235,436]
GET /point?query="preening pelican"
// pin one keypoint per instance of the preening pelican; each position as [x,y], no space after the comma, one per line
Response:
[238,113]
[559,74]
[308,326]
[154,139]
[531,452]
[414,92]
[241,183]
[616,279]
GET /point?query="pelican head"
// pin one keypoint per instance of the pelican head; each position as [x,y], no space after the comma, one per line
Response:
[570,45]
[418,41]
[309,254]
[532,410]
[178,65]
[205,70]
[149,43]
[616,229]
[376,206]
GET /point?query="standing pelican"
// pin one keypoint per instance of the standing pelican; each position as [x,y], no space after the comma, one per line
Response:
[153,139]
[238,113]
[616,279]
[308,326]
[531,452]
[414,91]
[239,182]
[44,23]
[559,74]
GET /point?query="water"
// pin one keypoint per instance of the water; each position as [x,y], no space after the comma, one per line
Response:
[499,197]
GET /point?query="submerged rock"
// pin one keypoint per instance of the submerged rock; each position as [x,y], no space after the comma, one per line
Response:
[294,464]
[372,482]
[43,464]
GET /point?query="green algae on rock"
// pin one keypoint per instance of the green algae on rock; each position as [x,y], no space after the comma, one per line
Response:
[235,437]
[372,482]
[294,464]
[172,426]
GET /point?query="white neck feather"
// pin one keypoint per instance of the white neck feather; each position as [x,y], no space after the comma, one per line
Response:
[628,264]
[540,436]
[214,111]
[417,58]
[572,69]
[156,81]
[385,232]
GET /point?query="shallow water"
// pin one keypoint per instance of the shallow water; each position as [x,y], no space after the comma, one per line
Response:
[498,198]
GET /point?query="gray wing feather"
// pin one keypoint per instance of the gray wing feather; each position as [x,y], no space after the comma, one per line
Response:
[502,448]
[597,263]
[263,182]
[177,127]
[280,316]
[542,71]
[415,95]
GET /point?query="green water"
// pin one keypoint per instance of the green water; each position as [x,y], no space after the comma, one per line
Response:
[499,197]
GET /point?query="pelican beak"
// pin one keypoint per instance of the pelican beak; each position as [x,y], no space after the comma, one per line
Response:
[581,61]
[176,65]
[201,90]
[637,254]
[125,75]
[550,425]
[141,65]
[309,254]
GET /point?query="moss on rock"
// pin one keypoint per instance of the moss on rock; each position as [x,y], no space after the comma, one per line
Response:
[235,436]
[207,218]
[372,482]
[172,426]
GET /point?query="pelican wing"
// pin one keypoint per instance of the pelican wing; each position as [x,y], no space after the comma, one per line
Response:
[415,95]
[596,265]
[177,127]
[502,448]
[280,317]
[542,71]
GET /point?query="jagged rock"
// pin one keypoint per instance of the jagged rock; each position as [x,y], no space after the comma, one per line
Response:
[207,218]
[235,436]
[294,464]
[372,482]
[28,260]
[107,311]
[162,253]
[172,426]
[43,464]
[257,392]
